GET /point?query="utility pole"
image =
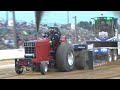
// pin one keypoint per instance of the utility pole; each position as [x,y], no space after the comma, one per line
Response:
[6,18]
[14,30]
[76,34]
[68,17]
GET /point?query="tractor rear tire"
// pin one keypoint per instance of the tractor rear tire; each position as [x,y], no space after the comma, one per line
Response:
[80,63]
[18,69]
[80,60]
[43,67]
[65,58]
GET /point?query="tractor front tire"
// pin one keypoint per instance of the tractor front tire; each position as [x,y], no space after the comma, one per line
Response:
[43,67]
[65,57]
[18,69]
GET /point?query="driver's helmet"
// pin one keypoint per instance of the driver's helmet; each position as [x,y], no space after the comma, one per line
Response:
[54,30]
[46,34]
[49,32]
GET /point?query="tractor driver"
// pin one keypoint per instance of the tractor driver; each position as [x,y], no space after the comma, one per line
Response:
[54,35]
[105,26]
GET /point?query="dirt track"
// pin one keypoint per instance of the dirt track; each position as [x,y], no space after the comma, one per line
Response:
[102,72]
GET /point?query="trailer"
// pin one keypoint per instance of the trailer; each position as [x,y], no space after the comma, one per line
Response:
[106,41]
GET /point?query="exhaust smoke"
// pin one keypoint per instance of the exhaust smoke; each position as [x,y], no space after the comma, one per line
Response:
[38,16]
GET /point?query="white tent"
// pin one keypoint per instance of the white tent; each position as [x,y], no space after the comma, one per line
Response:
[10,22]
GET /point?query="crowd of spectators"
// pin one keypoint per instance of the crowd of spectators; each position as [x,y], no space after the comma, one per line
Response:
[26,32]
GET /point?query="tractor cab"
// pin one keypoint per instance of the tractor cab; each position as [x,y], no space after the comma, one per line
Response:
[105,28]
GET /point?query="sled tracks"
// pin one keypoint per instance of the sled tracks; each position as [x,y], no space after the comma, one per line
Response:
[101,70]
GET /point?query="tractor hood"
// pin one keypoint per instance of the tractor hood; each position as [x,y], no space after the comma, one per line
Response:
[41,42]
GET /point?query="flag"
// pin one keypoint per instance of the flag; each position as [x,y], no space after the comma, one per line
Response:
[25,33]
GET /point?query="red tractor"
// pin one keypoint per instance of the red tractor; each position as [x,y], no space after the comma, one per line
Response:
[52,51]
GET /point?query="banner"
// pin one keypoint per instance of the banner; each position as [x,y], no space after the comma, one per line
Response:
[12,54]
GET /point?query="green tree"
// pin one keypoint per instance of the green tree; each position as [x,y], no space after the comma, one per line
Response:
[84,24]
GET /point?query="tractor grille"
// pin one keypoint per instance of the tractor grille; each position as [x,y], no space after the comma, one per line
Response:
[29,49]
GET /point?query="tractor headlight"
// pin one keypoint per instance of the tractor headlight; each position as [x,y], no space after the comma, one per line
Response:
[104,50]
[96,50]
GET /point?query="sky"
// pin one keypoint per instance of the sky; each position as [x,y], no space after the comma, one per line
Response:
[56,16]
